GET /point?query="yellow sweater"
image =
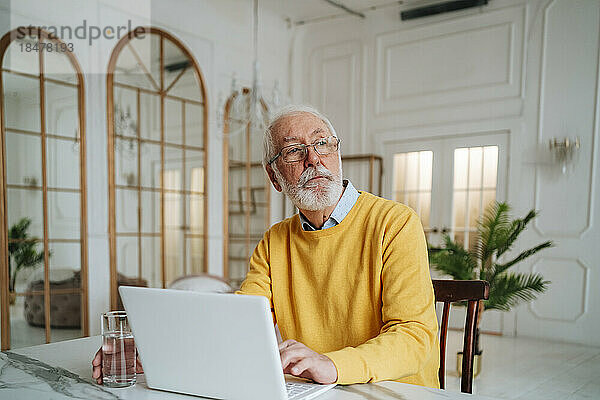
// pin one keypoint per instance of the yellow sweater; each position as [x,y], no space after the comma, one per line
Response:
[359,292]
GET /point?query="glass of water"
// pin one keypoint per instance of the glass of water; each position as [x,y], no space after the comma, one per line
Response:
[118,350]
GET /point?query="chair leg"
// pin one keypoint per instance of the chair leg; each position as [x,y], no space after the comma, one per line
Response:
[443,337]
[466,384]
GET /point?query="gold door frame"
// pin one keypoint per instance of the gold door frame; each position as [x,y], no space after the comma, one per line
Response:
[247,165]
[4,270]
[111,149]
[372,159]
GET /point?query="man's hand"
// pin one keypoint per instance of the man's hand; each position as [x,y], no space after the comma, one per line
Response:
[97,366]
[299,360]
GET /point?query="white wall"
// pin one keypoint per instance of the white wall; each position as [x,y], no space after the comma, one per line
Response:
[525,67]
[219,35]
[528,68]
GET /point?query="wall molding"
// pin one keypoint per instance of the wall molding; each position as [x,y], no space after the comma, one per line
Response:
[350,53]
[564,233]
[506,86]
[509,79]
[585,289]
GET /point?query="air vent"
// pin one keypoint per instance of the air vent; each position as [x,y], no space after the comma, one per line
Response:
[440,8]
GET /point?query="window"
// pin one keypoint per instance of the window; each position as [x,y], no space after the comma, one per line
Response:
[412,182]
[449,182]
[475,171]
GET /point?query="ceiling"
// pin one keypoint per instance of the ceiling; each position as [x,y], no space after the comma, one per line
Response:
[304,11]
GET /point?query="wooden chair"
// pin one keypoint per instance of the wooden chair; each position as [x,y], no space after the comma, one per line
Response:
[450,291]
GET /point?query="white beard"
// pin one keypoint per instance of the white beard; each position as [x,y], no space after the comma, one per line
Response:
[313,196]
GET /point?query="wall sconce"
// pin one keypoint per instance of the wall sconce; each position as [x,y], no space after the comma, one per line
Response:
[564,152]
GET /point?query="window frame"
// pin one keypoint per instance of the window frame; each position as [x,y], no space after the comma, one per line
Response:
[441,216]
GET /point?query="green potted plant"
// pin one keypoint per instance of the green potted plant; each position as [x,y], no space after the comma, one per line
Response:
[487,261]
[22,253]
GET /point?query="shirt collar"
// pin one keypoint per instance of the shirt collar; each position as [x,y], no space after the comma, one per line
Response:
[343,207]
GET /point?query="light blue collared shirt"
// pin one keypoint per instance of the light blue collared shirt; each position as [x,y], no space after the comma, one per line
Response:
[343,207]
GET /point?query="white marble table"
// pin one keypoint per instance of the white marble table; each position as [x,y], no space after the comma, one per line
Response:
[62,370]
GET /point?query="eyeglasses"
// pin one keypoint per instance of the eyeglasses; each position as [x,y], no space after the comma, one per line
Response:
[297,152]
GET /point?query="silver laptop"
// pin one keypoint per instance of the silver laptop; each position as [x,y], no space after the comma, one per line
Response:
[214,345]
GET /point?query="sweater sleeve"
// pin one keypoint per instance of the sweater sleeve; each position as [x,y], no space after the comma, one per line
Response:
[408,337]
[258,279]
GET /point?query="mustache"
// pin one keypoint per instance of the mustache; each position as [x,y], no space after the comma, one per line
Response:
[313,172]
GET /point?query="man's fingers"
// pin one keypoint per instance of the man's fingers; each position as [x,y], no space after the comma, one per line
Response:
[301,366]
[97,366]
[299,360]
[97,360]
[294,354]
[139,369]
[290,359]
[286,344]
[293,348]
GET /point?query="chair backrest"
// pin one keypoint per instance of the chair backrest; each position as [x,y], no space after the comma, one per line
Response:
[202,283]
[450,291]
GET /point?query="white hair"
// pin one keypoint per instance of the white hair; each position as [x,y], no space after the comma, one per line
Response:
[286,111]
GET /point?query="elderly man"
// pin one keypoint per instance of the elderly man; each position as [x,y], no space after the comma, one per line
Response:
[347,277]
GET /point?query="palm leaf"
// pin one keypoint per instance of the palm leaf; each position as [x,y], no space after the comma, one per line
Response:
[497,235]
[500,268]
[18,231]
[28,256]
[510,289]
[22,250]
[453,260]
[517,227]
[494,224]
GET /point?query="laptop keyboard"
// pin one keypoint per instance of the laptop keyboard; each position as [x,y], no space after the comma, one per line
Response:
[295,389]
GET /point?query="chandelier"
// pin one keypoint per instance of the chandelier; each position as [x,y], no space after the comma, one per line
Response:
[247,108]
[125,125]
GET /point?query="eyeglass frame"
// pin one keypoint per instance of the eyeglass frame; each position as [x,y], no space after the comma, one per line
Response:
[304,146]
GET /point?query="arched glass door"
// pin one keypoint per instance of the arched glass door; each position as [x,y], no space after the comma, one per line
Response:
[157,125]
[247,190]
[43,191]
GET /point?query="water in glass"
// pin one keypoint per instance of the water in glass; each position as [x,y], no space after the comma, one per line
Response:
[118,351]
